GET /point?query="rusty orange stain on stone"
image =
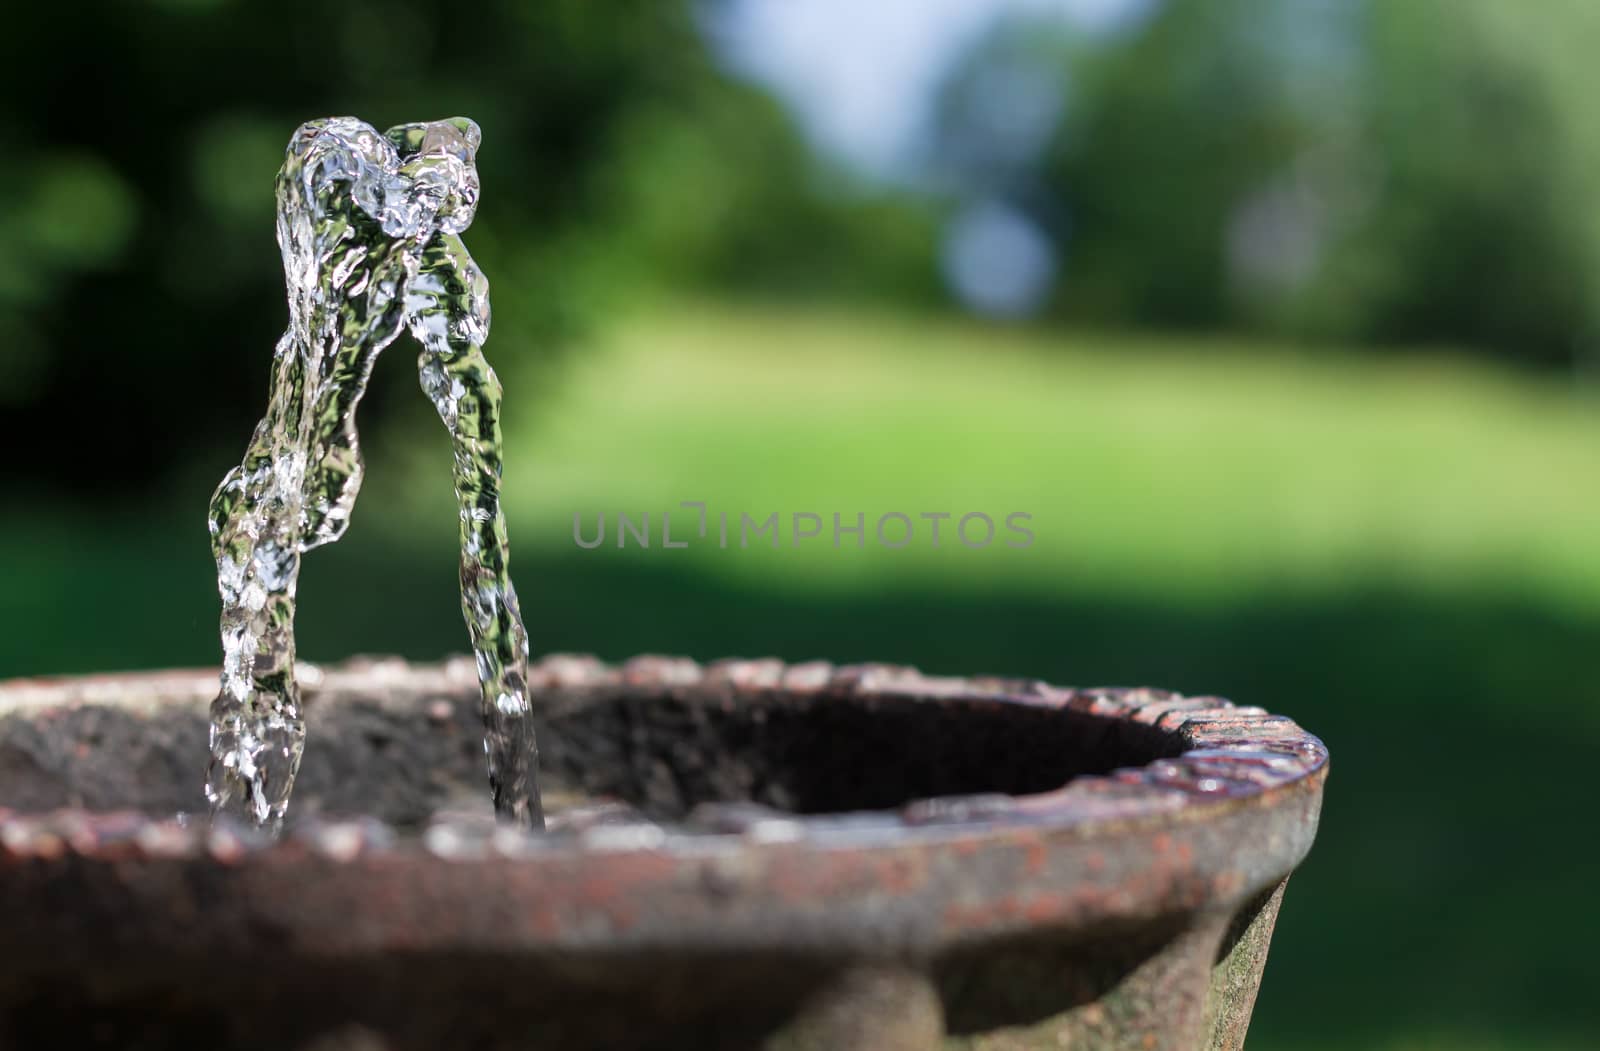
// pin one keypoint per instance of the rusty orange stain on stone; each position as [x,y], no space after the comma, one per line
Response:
[1036,854]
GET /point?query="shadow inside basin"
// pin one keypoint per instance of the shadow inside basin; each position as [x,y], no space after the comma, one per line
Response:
[405,754]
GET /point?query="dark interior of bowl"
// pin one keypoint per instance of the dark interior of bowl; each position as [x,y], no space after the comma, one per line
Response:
[389,749]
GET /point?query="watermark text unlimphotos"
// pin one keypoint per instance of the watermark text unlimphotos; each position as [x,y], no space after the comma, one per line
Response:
[695,526]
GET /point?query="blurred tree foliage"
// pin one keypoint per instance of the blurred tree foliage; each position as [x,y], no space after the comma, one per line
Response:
[1405,171]
[1398,172]
[140,287]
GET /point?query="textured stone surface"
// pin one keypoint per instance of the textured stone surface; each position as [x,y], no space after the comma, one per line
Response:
[741,855]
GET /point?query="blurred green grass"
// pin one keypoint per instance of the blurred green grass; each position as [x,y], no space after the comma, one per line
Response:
[1177,470]
[1398,553]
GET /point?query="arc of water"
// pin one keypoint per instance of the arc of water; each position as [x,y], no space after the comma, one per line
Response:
[368,226]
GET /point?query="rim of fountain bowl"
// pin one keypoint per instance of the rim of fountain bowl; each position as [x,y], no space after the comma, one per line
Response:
[1232,812]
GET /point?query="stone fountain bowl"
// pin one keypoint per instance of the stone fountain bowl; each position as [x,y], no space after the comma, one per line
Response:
[743,854]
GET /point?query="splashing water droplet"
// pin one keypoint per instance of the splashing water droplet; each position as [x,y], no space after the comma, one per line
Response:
[369,227]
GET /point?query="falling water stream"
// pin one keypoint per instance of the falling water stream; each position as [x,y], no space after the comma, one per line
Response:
[369,228]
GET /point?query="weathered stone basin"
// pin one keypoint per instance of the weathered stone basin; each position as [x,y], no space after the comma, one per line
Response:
[745,854]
